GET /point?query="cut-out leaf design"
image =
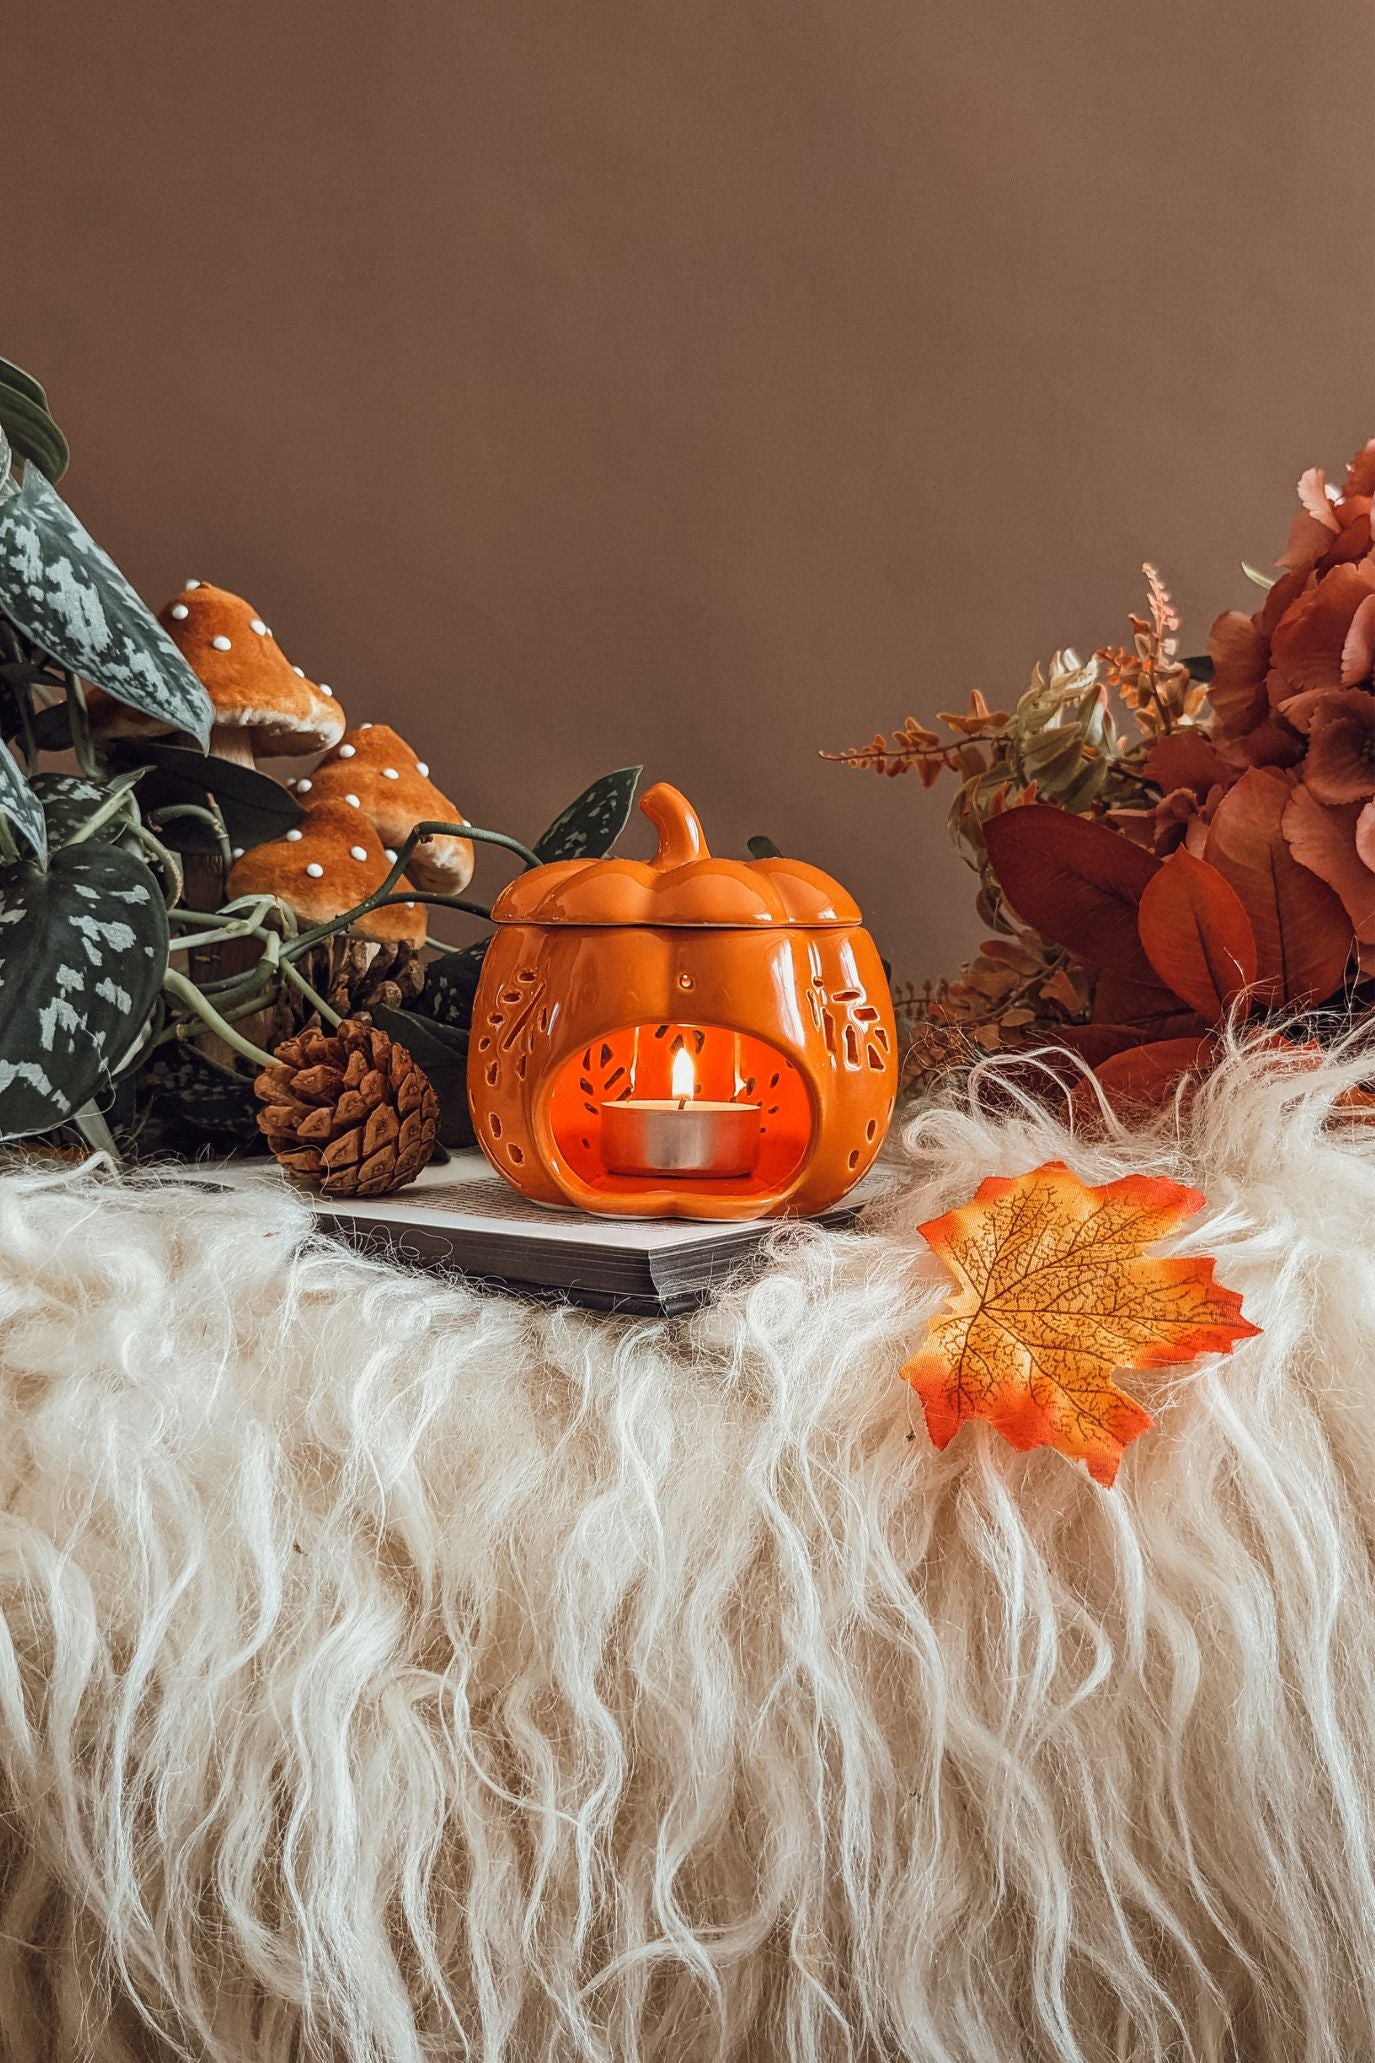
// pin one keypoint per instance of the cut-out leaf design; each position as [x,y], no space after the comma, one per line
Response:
[592,823]
[443,1053]
[1197,935]
[69,598]
[255,808]
[27,419]
[83,949]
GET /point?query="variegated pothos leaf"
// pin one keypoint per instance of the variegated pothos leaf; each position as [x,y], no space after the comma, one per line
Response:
[593,821]
[71,801]
[19,803]
[68,597]
[83,949]
[586,829]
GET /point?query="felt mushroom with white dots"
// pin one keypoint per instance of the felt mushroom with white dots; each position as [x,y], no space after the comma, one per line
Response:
[264,706]
[373,770]
[323,867]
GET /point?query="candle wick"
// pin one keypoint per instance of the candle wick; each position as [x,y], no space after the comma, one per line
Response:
[682,1103]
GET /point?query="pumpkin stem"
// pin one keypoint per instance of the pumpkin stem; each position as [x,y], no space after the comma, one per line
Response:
[677,823]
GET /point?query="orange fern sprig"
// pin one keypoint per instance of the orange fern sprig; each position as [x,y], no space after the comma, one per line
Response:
[913,748]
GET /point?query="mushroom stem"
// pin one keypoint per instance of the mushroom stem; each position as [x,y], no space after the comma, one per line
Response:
[234,742]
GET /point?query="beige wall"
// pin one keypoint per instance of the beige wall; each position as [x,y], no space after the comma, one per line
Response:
[702,381]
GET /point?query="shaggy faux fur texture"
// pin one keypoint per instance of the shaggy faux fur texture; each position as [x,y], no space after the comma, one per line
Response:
[389,1671]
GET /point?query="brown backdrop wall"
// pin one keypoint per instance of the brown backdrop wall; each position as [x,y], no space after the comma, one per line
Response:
[701,381]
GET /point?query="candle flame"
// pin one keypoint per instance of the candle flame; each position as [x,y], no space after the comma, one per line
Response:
[684,1075]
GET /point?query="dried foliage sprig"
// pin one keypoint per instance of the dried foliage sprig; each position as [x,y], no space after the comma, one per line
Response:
[1215,855]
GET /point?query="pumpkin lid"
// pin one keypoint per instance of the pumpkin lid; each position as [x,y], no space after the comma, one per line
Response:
[683,885]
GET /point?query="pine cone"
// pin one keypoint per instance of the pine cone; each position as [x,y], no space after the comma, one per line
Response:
[357,974]
[348,1112]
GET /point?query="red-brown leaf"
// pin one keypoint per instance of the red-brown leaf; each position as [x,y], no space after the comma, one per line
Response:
[1141,1081]
[1322,838]
[1074,881]
[1155,1010]
[1302,933]
[1185,759]
[1197,935]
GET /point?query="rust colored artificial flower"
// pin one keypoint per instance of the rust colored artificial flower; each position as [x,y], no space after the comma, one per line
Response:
[1294,685]
[1315,629]
[1309,647]
[1332,532]
[1340,762]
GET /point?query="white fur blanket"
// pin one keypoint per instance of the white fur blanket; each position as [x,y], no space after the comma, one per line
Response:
[389,1671]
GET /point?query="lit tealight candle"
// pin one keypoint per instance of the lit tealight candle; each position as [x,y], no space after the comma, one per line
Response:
[680,1135]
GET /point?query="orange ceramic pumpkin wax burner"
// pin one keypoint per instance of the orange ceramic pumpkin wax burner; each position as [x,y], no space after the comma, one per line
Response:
[692,1037]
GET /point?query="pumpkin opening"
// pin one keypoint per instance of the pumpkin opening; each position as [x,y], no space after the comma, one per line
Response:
[655,1063]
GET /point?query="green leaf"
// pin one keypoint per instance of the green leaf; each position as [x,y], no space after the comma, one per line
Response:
[587,829]
[255,807]
[451,984]
[71,800]
[25,415]
[22,807]
[764,849]
[63,592]
[443,1053]
[184,1084]
[83,949]
[9,485]
[592,823]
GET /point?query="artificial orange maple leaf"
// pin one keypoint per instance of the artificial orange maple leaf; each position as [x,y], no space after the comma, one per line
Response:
[1055,1291]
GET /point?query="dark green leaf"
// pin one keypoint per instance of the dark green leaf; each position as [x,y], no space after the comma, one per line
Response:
[593,822]
[587,829]
[63,592]
[52,730]
[450,986]
[1200,666]
[19,803]
[764,849]
[83,949]
[255,807]
[443,1053]
[185,1084]
[71,800]
[25,415]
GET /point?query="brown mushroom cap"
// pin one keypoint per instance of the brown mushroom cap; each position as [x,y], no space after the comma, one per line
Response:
[375,770]
[246,674]
[331,860]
